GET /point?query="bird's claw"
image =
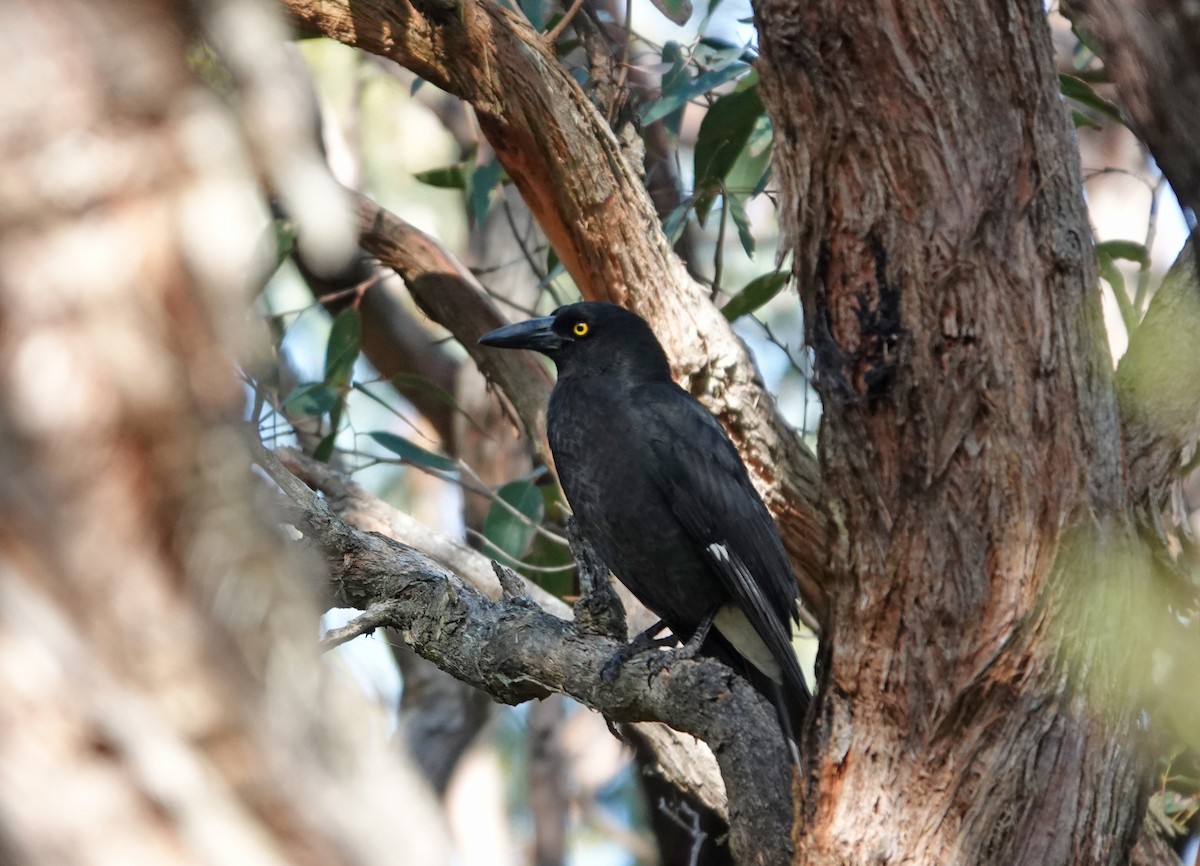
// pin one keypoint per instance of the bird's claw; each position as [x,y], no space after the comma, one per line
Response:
[657,661]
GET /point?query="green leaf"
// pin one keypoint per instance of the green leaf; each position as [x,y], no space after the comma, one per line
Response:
[724,134]
[324,449]
[675,77]
[737,210]
[679,96]
[311,398]
[755,293]
[1093,76]
[1085,39]
[412,453]
[676,11]
[484,181]
[1106,255]
[724,45]
[752,169]
[507,532]
[1110,272]
[1081,120]
[341,351]
[1074,87]
[1112,275]
[676,221]
[448,177]
[1131,251]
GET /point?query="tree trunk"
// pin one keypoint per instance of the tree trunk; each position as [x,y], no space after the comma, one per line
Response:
[931,195]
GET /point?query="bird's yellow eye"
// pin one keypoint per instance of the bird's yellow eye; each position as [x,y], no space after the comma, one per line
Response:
[580,329]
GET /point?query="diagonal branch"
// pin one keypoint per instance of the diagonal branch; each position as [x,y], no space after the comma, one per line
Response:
[451,296]
[1149,49]
[681,761]
[592,205]
[516,651]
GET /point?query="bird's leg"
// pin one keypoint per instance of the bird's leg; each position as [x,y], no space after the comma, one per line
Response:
[645,641]
[689,649]
[659,661]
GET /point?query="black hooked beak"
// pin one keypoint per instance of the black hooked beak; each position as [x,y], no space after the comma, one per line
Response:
[535,334]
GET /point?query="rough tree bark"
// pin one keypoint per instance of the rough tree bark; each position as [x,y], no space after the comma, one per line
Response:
[975,465]
[970,442]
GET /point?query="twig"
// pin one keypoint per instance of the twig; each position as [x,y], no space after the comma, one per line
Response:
[511,585]
[557,29]
[719,252]
[687,819]
[376,616]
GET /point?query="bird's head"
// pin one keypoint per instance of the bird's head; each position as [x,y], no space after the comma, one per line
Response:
[589,338]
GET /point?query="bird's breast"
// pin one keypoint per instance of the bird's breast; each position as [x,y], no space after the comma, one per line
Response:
[601,451]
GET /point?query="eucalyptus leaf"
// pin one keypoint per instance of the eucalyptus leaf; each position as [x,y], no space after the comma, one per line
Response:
[324,449]
[1074,87]
[1131,251]
[508,532]
[676,11]
[484,181]
[448,177]
[341,351]
[681,95]
[311,398]
[724,134]
[413,453]
[755,293]
[676,76]
[737,211]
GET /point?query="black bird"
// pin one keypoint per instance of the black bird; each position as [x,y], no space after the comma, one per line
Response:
[661,494]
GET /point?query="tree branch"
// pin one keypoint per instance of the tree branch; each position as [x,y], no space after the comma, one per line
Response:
[682,761]
[591,203]
[451,296]
[516,651]
[1150,53]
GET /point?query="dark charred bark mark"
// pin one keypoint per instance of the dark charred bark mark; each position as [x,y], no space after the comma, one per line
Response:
[879,327]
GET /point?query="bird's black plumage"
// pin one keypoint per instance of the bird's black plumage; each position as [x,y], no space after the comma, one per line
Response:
[661,494]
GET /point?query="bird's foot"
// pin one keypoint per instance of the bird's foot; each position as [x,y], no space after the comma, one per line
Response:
[657,657]
[643,643]
[657,662]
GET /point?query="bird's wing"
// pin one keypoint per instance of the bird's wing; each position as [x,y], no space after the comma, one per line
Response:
[707,488]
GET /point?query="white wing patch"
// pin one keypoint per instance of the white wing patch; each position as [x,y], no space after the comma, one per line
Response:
[718,552]
[735,628]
